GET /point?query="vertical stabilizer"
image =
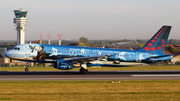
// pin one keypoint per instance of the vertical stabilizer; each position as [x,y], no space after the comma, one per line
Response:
[158,42]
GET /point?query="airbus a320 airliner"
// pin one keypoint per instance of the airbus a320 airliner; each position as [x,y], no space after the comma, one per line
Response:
[64,57]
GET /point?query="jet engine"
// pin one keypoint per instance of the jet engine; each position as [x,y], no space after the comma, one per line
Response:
[64,64]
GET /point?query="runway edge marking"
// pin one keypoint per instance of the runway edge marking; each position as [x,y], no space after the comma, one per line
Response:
[158,75]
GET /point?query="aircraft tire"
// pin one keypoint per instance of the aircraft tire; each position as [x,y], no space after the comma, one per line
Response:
[26,69]
[86,71]
[81,71]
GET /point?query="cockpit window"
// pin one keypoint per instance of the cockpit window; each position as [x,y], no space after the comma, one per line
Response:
[16,48]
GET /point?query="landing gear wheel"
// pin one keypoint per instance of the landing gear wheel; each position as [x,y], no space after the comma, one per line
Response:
[83,71]
[26,69]
[86,71]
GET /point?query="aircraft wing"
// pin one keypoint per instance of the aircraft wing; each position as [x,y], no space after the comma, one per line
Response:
[162,57]
[76,59]
[54,61]
[87,59]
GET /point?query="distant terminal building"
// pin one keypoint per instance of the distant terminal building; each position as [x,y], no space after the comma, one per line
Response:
[3,59]
[20,22]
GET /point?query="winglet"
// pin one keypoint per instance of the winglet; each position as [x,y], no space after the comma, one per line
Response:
[158,42]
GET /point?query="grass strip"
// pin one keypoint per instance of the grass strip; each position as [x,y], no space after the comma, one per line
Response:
[96,90]
[132,68]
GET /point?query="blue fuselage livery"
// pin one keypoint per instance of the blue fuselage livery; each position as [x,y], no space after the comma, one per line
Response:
[64,57]
[55,52]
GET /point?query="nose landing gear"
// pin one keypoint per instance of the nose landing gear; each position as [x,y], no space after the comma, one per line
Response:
[26,69]
[27,64]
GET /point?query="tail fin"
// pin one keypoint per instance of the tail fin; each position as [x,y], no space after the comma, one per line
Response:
[158,42]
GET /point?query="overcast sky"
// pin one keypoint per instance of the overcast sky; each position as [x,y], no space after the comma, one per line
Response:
[94,19]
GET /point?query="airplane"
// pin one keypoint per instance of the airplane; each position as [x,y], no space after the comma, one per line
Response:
[64,57]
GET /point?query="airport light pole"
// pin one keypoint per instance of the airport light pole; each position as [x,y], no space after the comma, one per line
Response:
[59,38]
[49,39]
[40,39]
[20,22]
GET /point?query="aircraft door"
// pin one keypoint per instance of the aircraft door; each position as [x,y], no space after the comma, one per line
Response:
[138,56]
[27,50]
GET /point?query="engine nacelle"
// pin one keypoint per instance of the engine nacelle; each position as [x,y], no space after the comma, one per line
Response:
[64,64]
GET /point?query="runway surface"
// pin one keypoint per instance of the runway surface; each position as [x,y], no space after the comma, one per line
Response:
[93,75]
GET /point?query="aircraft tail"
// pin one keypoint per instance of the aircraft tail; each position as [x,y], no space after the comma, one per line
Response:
[158,42]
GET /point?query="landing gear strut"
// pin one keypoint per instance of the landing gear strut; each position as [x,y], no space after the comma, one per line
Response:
[26,69]
[83,69]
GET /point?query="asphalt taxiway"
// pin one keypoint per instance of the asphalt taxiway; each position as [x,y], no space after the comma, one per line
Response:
[93,75]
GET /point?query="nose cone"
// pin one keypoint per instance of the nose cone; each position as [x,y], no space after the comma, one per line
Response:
[6,54]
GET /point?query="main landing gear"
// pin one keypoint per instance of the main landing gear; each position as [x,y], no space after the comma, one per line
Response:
[83,69]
